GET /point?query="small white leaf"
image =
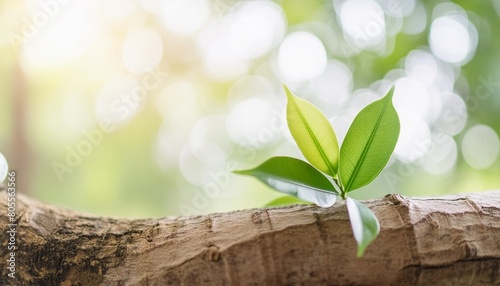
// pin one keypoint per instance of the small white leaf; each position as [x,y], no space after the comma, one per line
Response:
[322,199]
[355,218]
[364,224]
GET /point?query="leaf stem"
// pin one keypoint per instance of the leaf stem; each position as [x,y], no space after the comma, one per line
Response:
[337,184]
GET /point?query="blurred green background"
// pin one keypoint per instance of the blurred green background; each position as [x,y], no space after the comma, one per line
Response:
[141,108]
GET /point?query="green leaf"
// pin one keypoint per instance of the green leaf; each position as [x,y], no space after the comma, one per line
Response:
[364,224]
[297,178]
[285,201]
[369,143]
[313,133]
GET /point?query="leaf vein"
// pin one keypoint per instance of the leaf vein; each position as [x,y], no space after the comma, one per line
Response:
[362,158]
[315,140]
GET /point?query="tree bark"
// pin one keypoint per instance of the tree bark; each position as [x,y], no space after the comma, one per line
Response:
[452,240]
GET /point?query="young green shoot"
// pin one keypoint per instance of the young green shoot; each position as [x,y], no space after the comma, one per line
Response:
[332,172]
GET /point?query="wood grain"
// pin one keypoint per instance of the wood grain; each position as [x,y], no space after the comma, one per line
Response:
[452,240]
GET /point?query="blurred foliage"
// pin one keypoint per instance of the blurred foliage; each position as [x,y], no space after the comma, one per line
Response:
[216,103]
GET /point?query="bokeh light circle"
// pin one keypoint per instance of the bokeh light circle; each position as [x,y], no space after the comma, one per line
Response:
[334,85]
[451,40]
[442,155]
[254,123]
[363,22]
[185,17]
[301,56]
[480,146]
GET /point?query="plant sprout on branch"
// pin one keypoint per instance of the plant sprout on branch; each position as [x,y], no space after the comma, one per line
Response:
[332,172]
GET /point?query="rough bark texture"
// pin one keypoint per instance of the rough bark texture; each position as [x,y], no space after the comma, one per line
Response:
[453,240]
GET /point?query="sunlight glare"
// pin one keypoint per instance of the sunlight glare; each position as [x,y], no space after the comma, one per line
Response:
[363,22]
[301,56]
[185,17]
[480,146]
[334,85]
[142,50]
[442,155]
[254,122]
[451,39]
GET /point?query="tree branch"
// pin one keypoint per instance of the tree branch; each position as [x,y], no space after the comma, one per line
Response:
[452,240]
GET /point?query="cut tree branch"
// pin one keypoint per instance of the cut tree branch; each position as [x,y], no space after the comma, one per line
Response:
[451,240]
